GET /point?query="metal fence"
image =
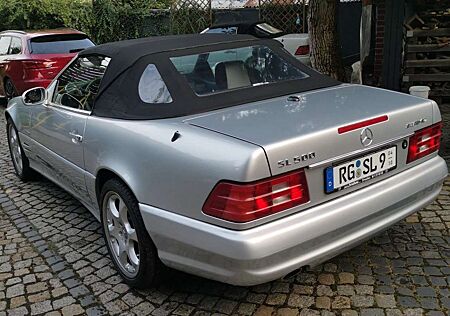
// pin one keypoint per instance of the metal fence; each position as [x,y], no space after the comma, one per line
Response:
[289,16]
[190,16]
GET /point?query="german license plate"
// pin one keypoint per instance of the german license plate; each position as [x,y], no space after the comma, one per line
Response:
[359,170]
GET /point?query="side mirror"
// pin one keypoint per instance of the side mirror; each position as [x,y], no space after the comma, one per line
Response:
[34,96]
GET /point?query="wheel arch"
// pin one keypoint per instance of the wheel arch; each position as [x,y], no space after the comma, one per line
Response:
[103,175]
[11,113]
[8,116]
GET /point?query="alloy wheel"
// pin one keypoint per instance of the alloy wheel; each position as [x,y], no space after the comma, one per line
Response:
[10,91]
[121,234]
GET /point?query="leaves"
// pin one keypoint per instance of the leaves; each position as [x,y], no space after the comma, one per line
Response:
[102,20]
[124,19]
[44,14]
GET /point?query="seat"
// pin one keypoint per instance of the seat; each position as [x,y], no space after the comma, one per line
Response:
[231,75]
[203,70]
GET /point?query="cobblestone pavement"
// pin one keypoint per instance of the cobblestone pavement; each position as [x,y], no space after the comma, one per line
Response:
[53,260]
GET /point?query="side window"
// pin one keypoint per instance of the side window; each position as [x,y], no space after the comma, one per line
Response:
[78,85]
[224,30]
[16,46]
[4,44]
[152,88]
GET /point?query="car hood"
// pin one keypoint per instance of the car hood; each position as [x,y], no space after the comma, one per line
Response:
[286,129]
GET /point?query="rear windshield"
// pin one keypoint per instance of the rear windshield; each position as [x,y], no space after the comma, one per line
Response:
[235,68]
[60,44]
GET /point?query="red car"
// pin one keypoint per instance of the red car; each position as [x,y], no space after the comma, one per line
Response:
[32,59]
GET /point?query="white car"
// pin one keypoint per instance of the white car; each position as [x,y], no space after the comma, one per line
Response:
[297,43]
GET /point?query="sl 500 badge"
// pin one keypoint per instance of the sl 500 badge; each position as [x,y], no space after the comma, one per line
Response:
[296,160]
[415,123]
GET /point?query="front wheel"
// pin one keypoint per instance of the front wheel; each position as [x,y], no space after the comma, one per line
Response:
[20,161]
[10,90]
[129,244]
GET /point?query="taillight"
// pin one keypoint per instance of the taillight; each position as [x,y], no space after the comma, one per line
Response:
[424,142]
[37,64]
[302,50]
[244,202]
[40,69]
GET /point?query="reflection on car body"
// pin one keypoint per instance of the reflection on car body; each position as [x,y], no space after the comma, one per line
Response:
[224,156]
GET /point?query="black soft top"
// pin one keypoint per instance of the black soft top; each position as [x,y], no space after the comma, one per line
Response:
[118,95]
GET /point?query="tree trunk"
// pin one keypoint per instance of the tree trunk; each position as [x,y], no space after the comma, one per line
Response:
[322,25]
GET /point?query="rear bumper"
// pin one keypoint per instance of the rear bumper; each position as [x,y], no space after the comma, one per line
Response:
[24,85]
[270,251]
[304,59]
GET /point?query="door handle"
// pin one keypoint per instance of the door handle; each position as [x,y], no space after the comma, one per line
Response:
[76,137]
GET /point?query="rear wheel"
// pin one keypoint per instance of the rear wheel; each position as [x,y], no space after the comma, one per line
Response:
[20,161]
[10,90]
[129,244]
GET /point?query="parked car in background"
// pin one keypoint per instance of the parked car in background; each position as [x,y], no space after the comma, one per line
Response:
[224,156]
[297,44]
[33,58]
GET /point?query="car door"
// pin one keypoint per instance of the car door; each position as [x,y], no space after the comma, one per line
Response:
[59,126]
[4,48]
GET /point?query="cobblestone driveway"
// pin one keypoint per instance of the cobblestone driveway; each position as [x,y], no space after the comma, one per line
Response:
[53,260]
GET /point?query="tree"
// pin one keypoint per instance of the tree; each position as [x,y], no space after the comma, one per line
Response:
[322,25]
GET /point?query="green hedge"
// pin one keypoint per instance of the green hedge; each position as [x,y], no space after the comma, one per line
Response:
[102,20]
[117,20]
[43,14]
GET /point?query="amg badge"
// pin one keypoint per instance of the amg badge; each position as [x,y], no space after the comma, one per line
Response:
[296,160]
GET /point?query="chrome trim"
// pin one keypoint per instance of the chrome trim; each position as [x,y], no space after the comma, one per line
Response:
[69,109]
[356,152]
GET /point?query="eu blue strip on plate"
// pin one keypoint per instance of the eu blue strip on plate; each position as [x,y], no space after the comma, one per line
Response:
[329,185]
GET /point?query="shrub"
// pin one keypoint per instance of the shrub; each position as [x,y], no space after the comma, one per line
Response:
[43,14]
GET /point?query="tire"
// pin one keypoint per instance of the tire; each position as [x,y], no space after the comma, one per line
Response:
[126,237]
[20,161]
[10,89]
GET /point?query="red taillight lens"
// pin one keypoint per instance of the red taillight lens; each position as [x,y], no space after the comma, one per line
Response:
[424,142]
[246,202]
[302,50]
[37,64]
[40,69]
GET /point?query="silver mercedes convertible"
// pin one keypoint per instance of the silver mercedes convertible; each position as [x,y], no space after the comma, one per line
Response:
[225,157]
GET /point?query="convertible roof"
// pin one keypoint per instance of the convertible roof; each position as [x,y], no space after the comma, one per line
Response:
[118,95]
[242,24]
[150,45]
[124,54]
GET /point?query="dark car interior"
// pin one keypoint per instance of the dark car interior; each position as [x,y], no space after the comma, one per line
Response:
[260,66]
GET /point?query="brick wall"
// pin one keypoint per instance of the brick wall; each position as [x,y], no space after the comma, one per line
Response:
[379,38]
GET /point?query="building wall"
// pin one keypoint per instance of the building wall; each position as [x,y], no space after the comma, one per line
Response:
[380,8]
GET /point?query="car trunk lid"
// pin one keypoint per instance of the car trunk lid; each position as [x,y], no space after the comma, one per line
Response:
[302,130]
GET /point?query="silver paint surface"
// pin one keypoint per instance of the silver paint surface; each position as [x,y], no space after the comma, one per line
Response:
[171,179]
